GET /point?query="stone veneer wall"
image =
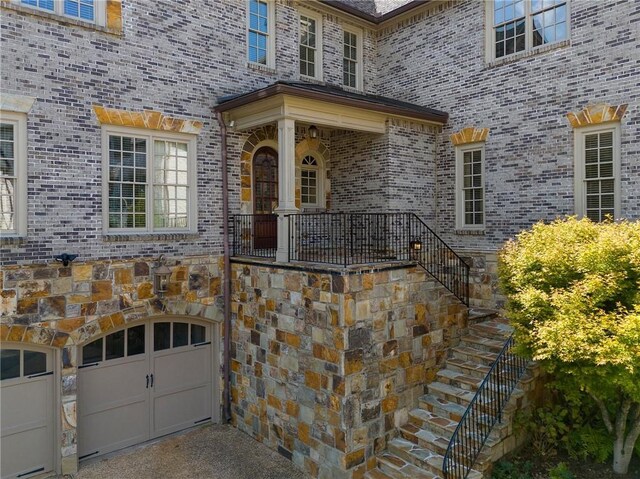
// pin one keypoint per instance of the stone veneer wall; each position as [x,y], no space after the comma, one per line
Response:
[326,364]
[64,307]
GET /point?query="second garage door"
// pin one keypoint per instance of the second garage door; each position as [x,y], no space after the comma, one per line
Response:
[143,382]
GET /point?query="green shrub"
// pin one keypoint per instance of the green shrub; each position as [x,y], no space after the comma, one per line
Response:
[561,471]
[512,470]
[573,290]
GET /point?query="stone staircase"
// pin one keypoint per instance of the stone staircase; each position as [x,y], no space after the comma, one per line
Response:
[418,451]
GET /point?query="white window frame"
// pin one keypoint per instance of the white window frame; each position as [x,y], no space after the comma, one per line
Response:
[321,200]
[319,44]
[460,200]
[490,37]
[359,56]
[580,199]
[150,136]
[271,34]
[99,11]
[19,120]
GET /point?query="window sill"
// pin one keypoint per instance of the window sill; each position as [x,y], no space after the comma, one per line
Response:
[315,80]
[5,4]
[12,240]
[530,53]
[262,68]
[352,89]
[146,237]
[467,232]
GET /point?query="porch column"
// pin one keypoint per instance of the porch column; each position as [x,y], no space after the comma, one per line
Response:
[286,183]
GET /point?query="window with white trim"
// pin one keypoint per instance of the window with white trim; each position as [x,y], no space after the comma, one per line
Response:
[310,182]
[597,172]
[149,181]
[470,187]
[310,48]
[92,11]
[521,25]
[13,174]
[260,33]
[352,59]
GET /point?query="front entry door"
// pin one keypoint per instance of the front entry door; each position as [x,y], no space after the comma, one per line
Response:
[265,198]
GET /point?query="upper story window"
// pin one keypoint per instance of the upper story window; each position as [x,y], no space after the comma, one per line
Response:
[13,174]
[149,181]
[310,46]
[521,25]
[470,187]
[92,11]
[352,59]
[260,34]
[597,156]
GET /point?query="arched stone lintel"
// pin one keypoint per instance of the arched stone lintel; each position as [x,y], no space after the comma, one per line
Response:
[468,135]
[153,308]
[596,114]
[149,119]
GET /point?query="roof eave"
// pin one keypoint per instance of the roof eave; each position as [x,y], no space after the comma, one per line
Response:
[375,19]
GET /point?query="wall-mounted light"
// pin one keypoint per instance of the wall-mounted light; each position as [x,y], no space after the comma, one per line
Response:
[65,258]
[313,131]
[161,276]
[415,245]
[232,124]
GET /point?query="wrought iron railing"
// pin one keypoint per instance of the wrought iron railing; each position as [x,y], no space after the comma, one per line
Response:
[354,238]
[483,412]
[348,238]
[254,235]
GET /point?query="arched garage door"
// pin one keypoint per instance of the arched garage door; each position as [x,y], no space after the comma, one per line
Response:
[26,398]
[143,382]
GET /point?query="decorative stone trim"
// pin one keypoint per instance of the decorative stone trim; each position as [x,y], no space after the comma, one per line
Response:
[16,103]
[596,114]
[149,119]
[114,16]
[468,135]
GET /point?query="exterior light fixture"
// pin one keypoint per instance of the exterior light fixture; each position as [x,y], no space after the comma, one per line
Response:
[161,276]
[65,258]
[313,131]
[415,245]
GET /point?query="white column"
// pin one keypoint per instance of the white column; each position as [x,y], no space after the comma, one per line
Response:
[286,183]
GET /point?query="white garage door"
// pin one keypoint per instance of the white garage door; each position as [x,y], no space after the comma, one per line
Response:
[27,411]
[143,382]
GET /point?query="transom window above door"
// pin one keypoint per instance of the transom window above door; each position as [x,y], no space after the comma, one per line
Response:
[521,25]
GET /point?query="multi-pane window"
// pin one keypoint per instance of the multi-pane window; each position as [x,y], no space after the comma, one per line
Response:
[259,41]
[309,44]
[309,181]
[520,25]
[350,59]
[13,195]
[470,181]
[599,178]
[150,183]
[87,10]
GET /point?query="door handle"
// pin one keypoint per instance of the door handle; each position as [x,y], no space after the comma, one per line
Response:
[147,382]
[152,380]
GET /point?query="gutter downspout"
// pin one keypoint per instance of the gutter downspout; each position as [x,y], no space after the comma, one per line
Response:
[226,272]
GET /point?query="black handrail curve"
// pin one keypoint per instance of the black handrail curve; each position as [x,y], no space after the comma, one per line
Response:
[483,412]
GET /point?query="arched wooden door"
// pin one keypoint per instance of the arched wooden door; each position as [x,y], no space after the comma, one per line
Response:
[265,198]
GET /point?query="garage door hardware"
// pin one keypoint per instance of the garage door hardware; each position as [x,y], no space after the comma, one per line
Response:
[87,455]
[149,377]
[201,344]
[88,365]
[30,472]
[202,420]
[39,375]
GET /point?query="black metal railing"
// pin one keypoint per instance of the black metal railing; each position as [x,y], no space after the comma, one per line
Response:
[483,412]
[348,238]
[254,235]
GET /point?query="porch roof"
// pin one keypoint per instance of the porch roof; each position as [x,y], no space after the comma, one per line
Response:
[321,104]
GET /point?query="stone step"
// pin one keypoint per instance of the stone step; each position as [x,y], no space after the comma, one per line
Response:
[441,407]
[421,419]
[458,379]
[398,468]
[422,457]
[481,343]
[469,368]
[465,353]
[495,329]
[481,315]
[450,393]
[376,474]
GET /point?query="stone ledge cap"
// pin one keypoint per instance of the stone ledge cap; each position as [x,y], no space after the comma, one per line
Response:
[16,103]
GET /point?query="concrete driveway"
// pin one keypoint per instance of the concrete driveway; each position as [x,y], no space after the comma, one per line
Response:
[212,452]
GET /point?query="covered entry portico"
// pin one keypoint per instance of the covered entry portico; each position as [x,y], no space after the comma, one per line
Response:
[290,105]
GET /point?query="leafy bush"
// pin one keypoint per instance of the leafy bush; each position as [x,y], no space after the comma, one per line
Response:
[561,471]
[512,470]
[573,289]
